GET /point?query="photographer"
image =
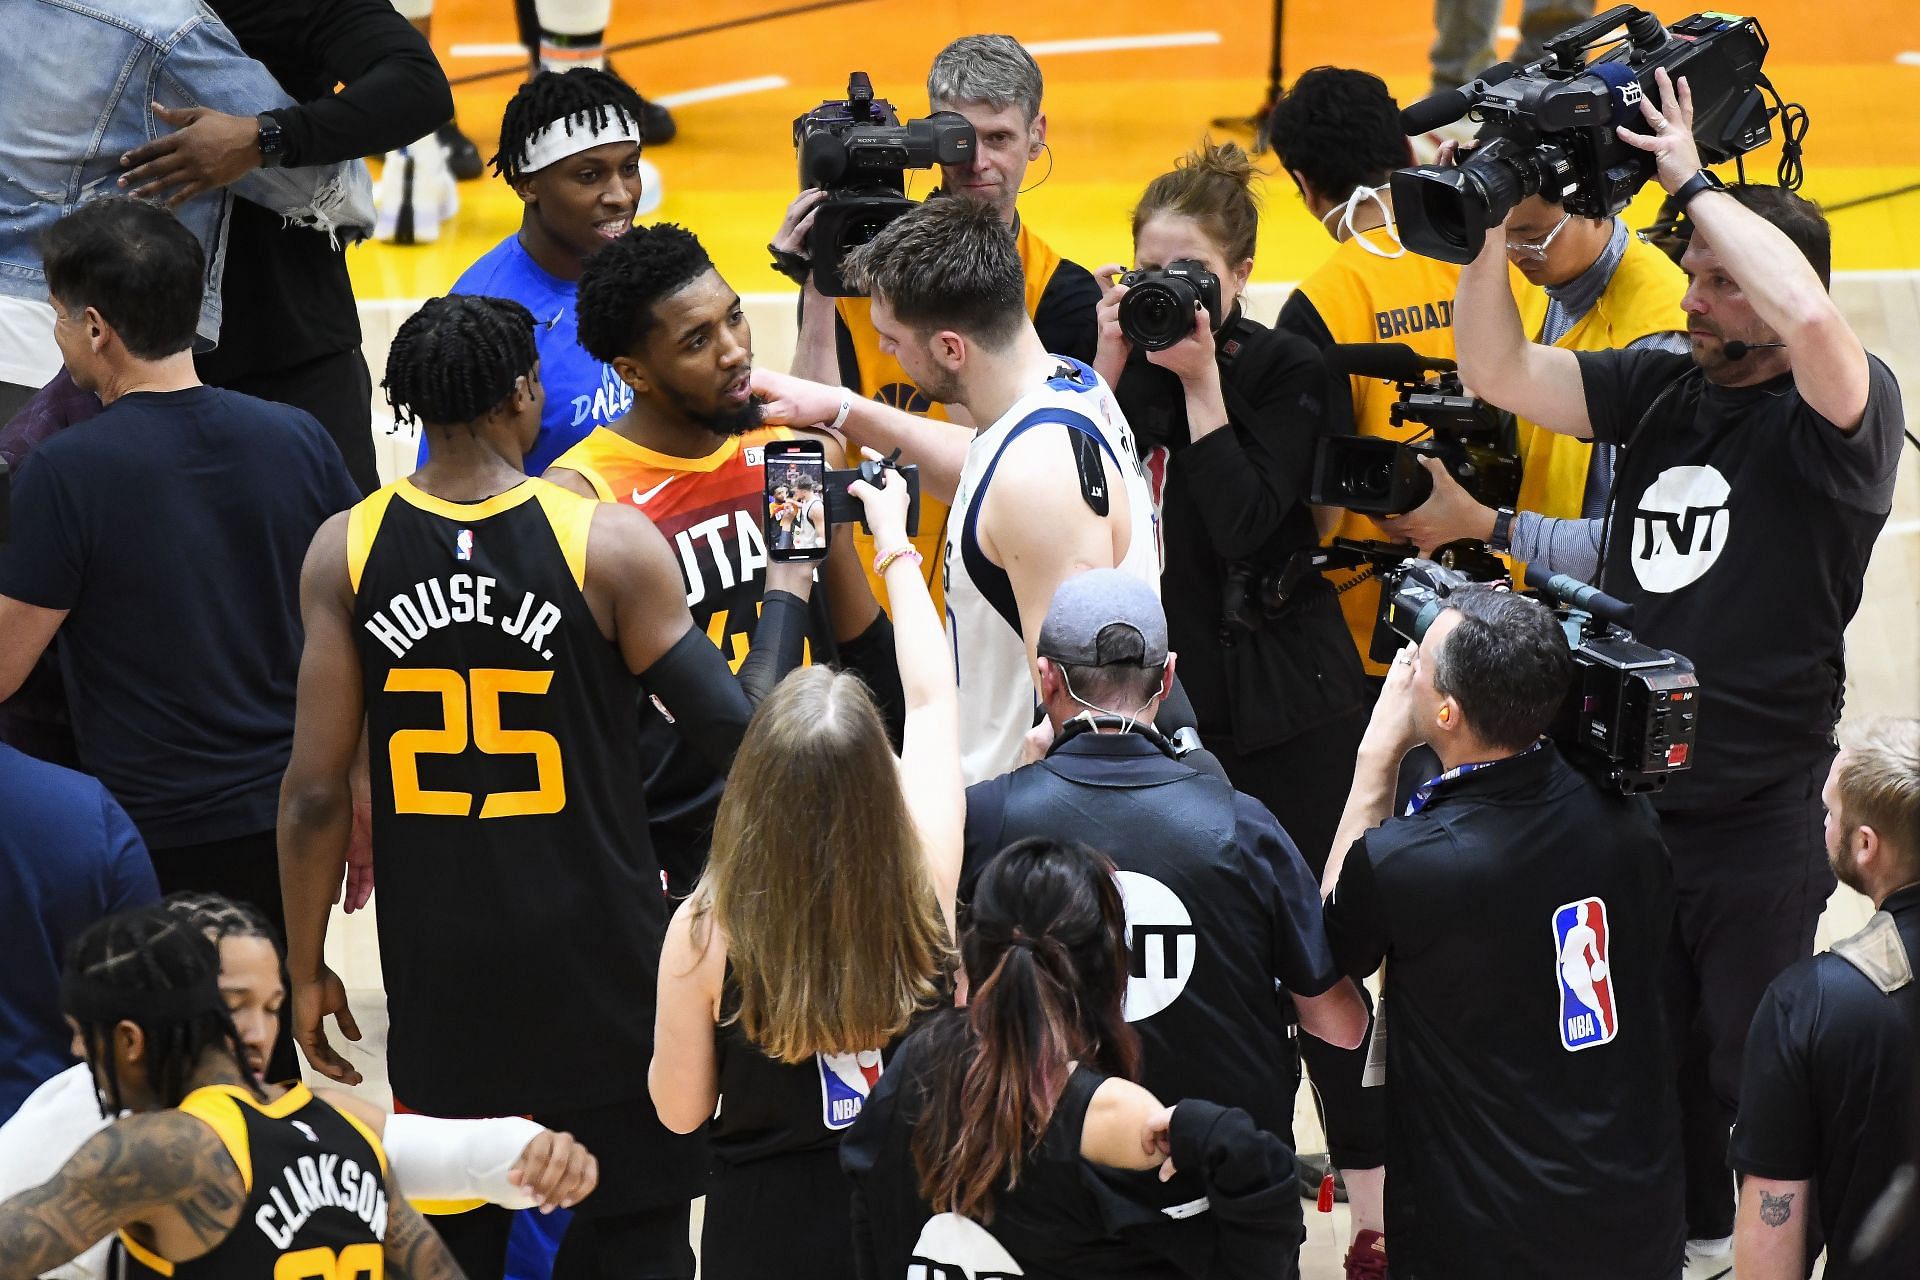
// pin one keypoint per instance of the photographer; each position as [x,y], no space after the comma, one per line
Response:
[1749,475]
[1338,135]
[1606,289]
[1532,1125]
[996,85]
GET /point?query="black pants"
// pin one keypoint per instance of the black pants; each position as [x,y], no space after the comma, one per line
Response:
[245,869]
[1750,883]
[651,1244]
[337,390]
[1305,782]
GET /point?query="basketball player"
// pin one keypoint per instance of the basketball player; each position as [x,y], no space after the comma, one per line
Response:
[810,517]
[206,1180]
[689,455]
[493,632]
[1049,486]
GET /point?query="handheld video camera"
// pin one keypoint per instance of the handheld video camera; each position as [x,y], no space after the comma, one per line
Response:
[858,152]
[1384,477]
[1550,126]
[1158,310]
[1632,711]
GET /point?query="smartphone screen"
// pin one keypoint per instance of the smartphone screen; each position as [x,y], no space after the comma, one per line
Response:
[796,507]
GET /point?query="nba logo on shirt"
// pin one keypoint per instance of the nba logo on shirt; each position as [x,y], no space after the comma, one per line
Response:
[1580,939]
[845,1081]
[463,545]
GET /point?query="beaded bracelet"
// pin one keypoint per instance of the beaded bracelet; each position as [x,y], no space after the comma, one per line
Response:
[884,561]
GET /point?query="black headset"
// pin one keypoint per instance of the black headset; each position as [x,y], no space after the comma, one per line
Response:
[1185,740]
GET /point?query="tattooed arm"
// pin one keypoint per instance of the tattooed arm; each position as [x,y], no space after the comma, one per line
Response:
[164,1169]
[1770,1236]
[414,1249]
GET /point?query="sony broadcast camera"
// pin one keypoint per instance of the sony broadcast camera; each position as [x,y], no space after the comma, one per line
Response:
[858,152]
[1160,307]
[1384,477]
[1632,711]
[1550,126]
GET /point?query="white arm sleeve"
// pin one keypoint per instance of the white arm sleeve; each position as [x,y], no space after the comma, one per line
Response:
[436,1159]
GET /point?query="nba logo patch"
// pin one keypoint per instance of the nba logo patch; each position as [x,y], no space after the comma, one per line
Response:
[1580,939]
[754,455]
[463,545]
[845,1081]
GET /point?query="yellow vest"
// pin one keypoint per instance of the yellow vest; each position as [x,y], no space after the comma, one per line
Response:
[882,378]
[1362,297]
[1642,299]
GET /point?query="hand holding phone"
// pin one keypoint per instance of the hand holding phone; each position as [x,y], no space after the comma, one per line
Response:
[796,524]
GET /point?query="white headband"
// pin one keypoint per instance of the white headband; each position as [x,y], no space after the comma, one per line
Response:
[551,143]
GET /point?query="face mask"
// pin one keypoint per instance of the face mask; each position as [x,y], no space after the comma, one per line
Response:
[1361,195]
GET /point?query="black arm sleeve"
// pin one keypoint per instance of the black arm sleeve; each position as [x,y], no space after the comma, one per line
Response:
[1258,469]
[1298,317]
[394,90]
[1065,317]
[708,708]
[779,644]
[870,655]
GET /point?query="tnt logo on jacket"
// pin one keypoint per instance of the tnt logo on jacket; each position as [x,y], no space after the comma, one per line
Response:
[845,1081]
[1580,939]
[1161,944]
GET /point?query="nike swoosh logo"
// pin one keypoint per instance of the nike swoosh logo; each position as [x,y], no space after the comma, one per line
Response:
[641,499]
[556,319]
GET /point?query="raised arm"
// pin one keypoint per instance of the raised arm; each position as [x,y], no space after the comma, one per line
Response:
[1829,364]
[1498,363]
[939,449]
[316,799]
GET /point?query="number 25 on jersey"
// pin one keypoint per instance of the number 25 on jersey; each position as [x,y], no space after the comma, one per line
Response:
[482,688]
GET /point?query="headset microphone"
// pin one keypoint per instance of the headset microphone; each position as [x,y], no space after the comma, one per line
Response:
[1737,350]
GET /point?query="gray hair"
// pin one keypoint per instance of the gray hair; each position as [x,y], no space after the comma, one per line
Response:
[995,70]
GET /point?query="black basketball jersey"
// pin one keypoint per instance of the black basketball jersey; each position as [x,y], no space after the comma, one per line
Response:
[521,904]
[316,1182]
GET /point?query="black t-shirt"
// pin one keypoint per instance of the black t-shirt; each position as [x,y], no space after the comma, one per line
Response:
[1533,1127]
[1223,916]
[286,298]
[172,527]
[1238,497]
[1741,527]
[1828,1096]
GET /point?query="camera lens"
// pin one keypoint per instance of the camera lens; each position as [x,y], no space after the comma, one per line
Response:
[1444,213]
[1158,313]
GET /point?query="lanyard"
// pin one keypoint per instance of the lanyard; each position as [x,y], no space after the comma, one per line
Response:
[1423,794]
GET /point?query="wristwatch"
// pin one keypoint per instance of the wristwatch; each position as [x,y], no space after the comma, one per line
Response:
[1502,536]
[273,143]
[1705,180]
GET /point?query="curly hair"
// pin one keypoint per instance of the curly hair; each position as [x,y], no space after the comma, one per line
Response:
[457,357]
[625,279]
[1339,129]
[565,96]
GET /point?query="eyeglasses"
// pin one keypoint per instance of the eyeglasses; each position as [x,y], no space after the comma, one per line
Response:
[1539,250]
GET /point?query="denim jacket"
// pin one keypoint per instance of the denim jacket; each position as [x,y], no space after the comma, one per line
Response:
[77,82]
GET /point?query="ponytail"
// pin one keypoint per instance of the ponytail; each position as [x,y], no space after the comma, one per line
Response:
[1215,187]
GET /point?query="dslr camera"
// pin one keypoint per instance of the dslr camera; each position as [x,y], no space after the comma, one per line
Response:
[1375,476]
[1159,309]
[1632,711]
[858,152]
[1549,127]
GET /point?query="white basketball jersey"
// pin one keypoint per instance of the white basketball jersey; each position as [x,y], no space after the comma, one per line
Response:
[997,698]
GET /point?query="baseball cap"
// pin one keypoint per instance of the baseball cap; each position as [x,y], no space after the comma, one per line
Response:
[1102,617]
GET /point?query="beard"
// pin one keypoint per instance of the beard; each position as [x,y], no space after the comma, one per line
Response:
[1845,869]
[724,422]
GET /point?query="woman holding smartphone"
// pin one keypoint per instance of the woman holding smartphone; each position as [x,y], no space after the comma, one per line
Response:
[821,927]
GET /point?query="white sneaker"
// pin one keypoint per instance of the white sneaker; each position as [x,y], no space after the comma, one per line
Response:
[416,194]
[1709,1259]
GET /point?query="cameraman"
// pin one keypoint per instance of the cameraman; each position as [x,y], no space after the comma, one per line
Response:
[1523,912]
[1606,289]
[995,84]
[1338,135]
[1745,480]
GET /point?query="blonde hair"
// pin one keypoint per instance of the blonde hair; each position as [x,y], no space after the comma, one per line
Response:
[1879,782]
[1214,187]
[817,879]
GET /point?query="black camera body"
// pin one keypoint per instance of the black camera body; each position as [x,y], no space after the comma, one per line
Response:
[1376,476]
[1160,307]
[1549,127]
[858,152]
[844,508]
[1632,711]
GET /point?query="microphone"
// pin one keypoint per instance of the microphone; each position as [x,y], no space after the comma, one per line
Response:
[1737,350]
[1580,595]
[1393,361]
[1445,107]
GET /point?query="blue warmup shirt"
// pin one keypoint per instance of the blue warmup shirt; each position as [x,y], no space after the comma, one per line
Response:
[68,856]
[582,393]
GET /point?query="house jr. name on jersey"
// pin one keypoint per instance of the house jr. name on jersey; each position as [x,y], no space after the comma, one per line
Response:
[462,598]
